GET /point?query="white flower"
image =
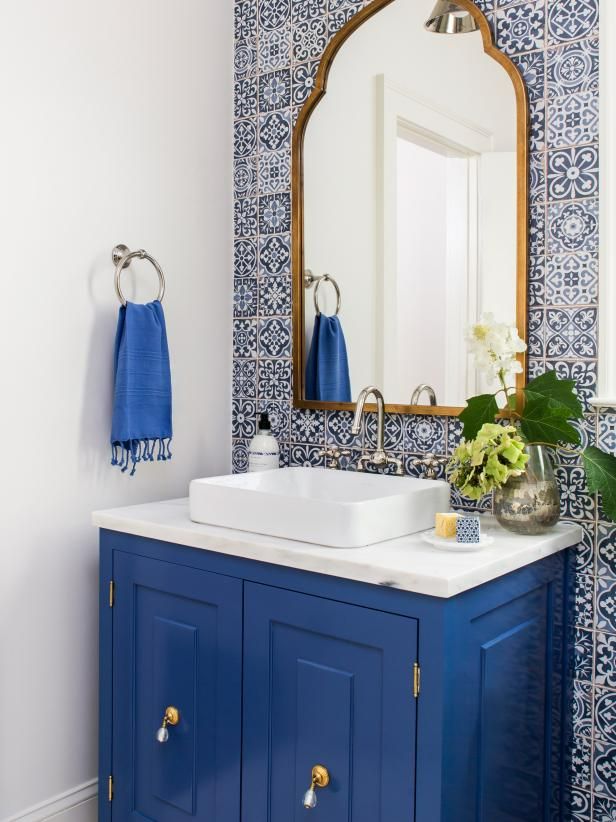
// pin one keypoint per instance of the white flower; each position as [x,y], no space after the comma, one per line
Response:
[495,346]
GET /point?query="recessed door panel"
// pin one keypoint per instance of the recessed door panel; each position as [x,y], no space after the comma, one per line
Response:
[330,684]
[177,643]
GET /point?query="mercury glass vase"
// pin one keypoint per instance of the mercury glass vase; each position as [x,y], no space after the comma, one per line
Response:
[530,503]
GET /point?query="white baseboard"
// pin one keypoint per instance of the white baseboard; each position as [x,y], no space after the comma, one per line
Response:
[76,805]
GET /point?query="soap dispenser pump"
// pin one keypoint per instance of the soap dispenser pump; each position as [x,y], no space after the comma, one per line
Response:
[263,451]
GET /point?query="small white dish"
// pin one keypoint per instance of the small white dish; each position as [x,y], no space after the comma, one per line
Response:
[450,544]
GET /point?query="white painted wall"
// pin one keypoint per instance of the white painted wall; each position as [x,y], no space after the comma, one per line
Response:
[116,127]
[341,152]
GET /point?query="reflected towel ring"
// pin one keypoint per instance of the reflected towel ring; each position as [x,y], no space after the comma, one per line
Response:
[310,280]
[122,257]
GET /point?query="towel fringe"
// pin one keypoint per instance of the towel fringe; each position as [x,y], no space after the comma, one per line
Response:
[136,451]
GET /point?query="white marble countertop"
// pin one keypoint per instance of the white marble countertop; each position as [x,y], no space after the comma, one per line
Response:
[407,563]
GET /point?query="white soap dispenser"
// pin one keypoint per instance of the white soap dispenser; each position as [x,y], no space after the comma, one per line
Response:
[263,451]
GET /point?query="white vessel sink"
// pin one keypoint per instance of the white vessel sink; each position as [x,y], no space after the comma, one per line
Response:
[341,509]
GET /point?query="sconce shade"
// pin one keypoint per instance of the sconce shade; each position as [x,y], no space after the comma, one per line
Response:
[449,18]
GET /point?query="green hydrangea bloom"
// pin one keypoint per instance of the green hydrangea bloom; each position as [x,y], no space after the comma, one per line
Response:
[485,463]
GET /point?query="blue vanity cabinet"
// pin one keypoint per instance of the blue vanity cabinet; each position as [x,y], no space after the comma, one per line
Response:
[326,683]
[423,709]
[177,640]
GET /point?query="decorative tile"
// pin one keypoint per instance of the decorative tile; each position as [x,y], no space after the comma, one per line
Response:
[571,333]
[335,5]
[280,418]
[537,230]
[424,434]
[536,332]
[275,131]
[275,296]
[245,20]
[585,375]
[574,67]
[274,213]
[337,19]
[274,379]
[532,68]
[244,338]
[454,434]
[239,459]
[274,173]
[245,258]
[338,430]
[245,176]
[606,605]
[307,9]
[604,782]
[245,221]
[536,282]
[245,297]
[274,49]
[572,279]
[537,125]
[275,337]
[582,655]
[245,97]
[577,805]
[309,39]
[275,90]
[393,434]
[584,602]
[573,227]
[579,762]
[244,420]
[520,28]
[303,82]
[244,138]
[244,379]
[274,14]
[307,426]
[572,19]
[605,660]
[573,119]
[605,716]
[607,432]
[309,456]
[575,501]
[537,187]
[606,550]
[604,810]
[573,173]
[274,255]
[582,708]
[245,58]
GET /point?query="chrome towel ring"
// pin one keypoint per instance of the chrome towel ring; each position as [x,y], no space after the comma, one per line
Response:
[310,280]
[122,256]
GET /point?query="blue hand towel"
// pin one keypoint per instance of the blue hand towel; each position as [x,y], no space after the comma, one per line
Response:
[142,394]
[327,366]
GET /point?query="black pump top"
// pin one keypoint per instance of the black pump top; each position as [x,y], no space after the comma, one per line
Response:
[264,422]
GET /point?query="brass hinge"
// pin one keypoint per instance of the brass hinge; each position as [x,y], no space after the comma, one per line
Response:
[416,679]
[110,789]
[111,592]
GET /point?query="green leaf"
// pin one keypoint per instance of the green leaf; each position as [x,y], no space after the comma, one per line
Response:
[560,392]
[512,402]
[545,421]
[478,411]
[601,476]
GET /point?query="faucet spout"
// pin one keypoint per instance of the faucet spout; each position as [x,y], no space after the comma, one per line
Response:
[380,409]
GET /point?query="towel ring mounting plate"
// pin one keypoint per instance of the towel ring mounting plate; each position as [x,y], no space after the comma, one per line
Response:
[122,256]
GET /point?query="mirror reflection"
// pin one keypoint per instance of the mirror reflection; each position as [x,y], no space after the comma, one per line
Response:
[410,200]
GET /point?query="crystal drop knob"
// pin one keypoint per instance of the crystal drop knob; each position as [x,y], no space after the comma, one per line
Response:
[310,798]
[171,717]
[319,779]
[162,734]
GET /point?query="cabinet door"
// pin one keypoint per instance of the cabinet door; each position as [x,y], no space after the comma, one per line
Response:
[331,684]
[177,635]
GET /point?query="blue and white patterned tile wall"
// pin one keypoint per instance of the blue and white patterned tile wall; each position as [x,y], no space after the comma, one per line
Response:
[555,45]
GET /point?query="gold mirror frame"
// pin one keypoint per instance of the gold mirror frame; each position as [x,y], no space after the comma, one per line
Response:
[297,198]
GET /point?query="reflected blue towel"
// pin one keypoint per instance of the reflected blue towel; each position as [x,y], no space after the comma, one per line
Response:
[327,366]
[142,395]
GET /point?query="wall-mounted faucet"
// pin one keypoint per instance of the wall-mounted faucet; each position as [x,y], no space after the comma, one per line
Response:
[379,458]
[420,390]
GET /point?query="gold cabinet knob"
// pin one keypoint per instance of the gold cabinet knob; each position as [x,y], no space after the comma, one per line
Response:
[320,779]
[171,717]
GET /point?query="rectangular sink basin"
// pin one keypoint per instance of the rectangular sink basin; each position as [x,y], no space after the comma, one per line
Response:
[341,509]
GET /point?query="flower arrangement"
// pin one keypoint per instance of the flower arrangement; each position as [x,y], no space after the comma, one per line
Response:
[490,453]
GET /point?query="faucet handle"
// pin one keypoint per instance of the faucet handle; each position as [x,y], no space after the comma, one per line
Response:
[332,454]
[397,463]
[430,464]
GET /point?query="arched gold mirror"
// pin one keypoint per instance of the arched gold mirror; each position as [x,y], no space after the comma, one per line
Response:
[410,208]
